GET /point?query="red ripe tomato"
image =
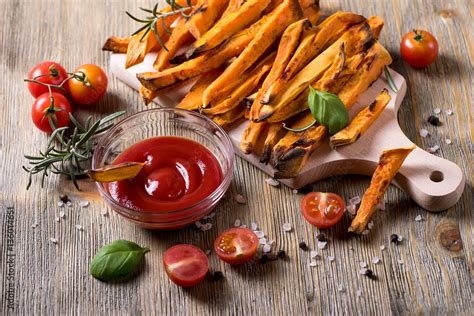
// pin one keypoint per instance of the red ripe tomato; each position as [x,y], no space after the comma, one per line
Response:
[47,72]
[59,114]
[322,210]
[236,245]
[89,85]
[419,48]
[185,265]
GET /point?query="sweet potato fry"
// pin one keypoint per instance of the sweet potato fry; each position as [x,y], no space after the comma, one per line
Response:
[250,83]
[251,135]
[227,118]
[206,62]
[232,7]
[179,36]
[117,44]
[325,34]
[193,99]
[361,122]
[229,25]
[388,166]
[310,10]
[204,17]
[147,95]
[288,43]
[275,132]
[286,13]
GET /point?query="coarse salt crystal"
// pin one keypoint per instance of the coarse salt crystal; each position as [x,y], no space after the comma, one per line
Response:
[354,200]
[206,226]
[237,223]
[61,204]
[400,261]
[382,247]
[424,132]
[243,226]
[198,224]
[211,215]
[272,182]
[313,263]
[448,112]
[437,110]
[79,227]
[61,214]
[362,271]
[69,203]
[262,241]
[340,288]
[208,252]
[104,212]
[239,198]
[322,244]
[400,238]
[365,232]
[448,141]
[84,203]
[253,226]
[351,209]
[381,204]
[376,260]
[267,248]
[34,225]
[53,240]
[287,227]
[363,264]
[271,241]
[359,292]
[313,254]
[331,258]
[433,149]
[418,218]
[370,225]
[259,233]
[295,191]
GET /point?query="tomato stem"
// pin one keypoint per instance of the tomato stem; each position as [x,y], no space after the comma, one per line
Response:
[418,35]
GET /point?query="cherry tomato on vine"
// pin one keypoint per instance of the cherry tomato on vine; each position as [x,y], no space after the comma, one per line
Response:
[47,72]
[322,210]
[236,245]
[59,114]
[419,48]
[186,265]
[89,85]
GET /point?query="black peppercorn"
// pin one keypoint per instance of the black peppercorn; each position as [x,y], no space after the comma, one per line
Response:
[395,239]
[281,254]
[303,246]
[433,120]
[264,259]
[370,274]
[64,198]
[321,237]
[217,275]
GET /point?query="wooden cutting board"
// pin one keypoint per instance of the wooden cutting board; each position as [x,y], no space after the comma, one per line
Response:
[432,182]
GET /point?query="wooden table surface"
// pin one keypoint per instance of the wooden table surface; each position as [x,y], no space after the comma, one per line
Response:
[39,277]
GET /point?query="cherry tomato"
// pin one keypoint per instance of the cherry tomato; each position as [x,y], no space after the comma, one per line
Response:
[322,210]
[419,48]
[59,115]
[46,72]
[236,245]
[89,85]
[186,265]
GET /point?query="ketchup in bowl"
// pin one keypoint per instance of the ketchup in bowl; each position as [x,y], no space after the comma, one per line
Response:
[178,173]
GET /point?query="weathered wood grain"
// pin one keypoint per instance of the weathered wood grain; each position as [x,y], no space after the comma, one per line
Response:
[437,273]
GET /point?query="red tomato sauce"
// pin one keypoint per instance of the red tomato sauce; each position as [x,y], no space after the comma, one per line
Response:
[178,173]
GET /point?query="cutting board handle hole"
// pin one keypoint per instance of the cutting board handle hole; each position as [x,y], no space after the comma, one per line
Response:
[436,176]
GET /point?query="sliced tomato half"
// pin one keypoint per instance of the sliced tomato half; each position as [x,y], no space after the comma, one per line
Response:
[236,245]
[186,265]
[321,209]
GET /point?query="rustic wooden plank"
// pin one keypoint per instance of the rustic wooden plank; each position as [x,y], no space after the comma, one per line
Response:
[53,279]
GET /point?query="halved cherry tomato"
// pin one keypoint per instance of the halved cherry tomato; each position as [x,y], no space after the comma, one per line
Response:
[47,72]
[59,115]
[89,85]
[322,210]
[186,265]
[419,48]
[236,245]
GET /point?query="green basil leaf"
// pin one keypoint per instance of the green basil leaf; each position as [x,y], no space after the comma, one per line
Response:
[117,260]
[328,110]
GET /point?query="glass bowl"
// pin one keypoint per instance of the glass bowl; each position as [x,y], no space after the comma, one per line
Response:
[166,122]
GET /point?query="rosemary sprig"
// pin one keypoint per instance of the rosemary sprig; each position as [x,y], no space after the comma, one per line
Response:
[150,22]
[390,82]
[68,153]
